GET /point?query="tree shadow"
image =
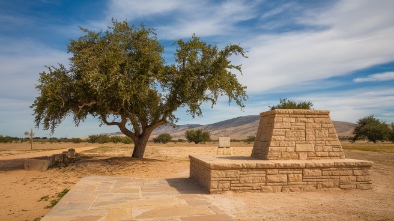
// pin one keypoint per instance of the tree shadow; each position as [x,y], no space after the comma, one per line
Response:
[186,186]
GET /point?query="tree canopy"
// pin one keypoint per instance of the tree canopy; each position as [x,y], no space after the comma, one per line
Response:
[289,104]
[120,77]
[373,129]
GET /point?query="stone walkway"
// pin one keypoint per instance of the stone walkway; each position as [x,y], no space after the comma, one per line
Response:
[122,198]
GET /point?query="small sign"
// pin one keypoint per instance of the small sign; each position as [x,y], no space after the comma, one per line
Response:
[224,142]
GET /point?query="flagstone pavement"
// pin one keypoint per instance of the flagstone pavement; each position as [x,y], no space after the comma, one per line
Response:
[124,198]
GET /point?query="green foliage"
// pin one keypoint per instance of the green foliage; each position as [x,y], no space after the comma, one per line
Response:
[102,138]
[250,139]
[127,140]
[75,140]
[197,136]
[288,104]
[7,139]
[163,138]
[373,129]
[116,139]
[120,77]
[181,140]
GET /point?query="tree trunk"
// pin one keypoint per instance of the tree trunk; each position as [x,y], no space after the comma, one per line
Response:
[140,145]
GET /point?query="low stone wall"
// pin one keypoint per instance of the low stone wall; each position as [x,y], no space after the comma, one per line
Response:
[218,174]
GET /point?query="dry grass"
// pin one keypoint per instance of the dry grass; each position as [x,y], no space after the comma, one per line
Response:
[369,146]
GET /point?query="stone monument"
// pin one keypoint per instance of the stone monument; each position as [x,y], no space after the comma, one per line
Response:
[295,150]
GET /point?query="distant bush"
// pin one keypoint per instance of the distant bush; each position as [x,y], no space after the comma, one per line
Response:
[127,140]
[116,139]
[250,139]
[163,138]
[182,140]
[7,139]
[102,138]
[75,140]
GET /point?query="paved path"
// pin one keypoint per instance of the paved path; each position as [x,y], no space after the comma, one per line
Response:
[123,198]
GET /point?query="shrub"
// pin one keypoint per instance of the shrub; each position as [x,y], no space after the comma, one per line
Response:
[116,139]
[197,136]
[102,138]
[163,138]
[250,139]
[75,140]
[127,140]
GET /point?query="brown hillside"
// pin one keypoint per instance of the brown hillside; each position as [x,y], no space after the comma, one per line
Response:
[237,128]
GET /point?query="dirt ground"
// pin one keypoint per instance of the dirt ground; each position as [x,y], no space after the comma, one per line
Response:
[26,194]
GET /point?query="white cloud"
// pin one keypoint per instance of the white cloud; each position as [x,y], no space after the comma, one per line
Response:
[204,18]
[283,59]
[386,76]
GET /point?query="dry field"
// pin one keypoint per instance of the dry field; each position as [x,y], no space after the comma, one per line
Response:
[26,195]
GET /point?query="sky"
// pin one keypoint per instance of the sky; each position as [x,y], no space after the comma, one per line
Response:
[337,54]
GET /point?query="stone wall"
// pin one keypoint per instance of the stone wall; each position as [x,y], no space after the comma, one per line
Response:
[218,174]
[287,134]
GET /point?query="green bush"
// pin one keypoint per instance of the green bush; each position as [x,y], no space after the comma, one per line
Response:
[7,139]
[102,138]
[75,140]
[197,136]
[116,139]
[163,138]
[127,140]
[250,139]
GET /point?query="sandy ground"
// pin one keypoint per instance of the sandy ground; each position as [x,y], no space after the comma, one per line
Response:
[25,194]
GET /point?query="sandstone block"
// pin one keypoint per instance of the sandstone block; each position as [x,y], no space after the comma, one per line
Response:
[279,132]
[347,179]
[279,178]
[272,171]
[252,179]
[304,147]
[363,178]
[294,177]
[364,172]
[224,185]
[282,125]
[312,173]
[312,125]
[279,138]
[224,173]
[303,155]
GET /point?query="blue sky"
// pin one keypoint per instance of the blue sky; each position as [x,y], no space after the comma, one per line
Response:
[337,54]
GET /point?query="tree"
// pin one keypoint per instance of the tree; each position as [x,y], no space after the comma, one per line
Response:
[288,104]
[163,138]
[119,77]
[31,135]
[197,136]
[371,128]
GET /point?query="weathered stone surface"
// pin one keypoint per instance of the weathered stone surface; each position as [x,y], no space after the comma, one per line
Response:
[279,175]
[299,131]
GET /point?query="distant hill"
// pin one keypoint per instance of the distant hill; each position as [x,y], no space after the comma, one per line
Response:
[237,128]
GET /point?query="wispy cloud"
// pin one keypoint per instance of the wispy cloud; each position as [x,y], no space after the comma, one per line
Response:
[387,76]
[282,59]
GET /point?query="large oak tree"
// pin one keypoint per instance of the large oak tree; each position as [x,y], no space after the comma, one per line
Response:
[120,77]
